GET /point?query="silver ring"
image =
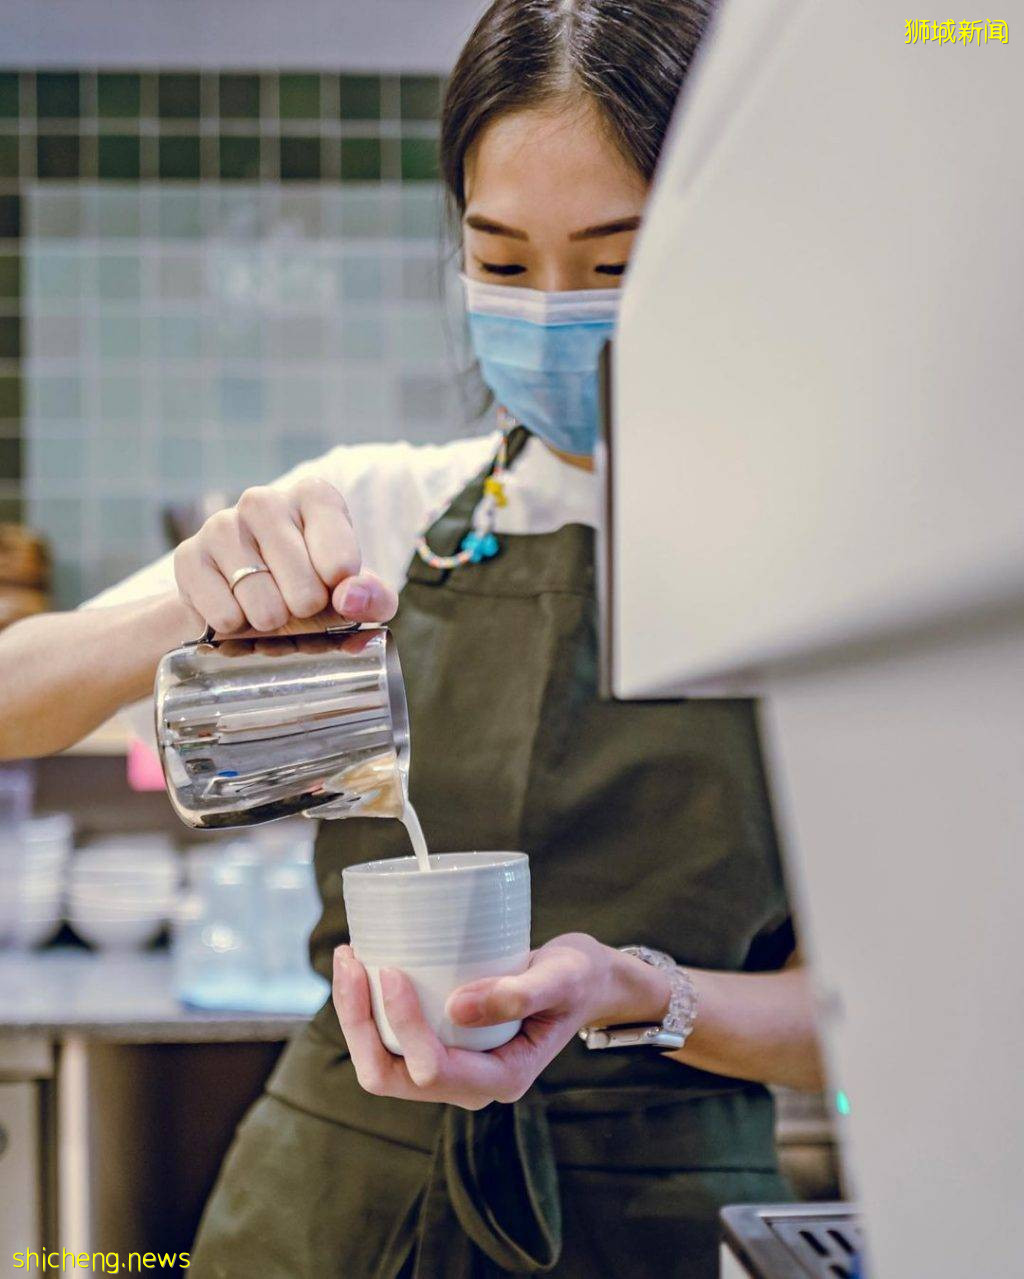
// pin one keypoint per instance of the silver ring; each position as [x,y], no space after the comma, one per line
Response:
[240,574]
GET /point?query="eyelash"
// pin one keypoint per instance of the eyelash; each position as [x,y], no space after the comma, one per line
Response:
[494,268]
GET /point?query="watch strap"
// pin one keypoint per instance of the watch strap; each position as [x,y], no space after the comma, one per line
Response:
[673,1031]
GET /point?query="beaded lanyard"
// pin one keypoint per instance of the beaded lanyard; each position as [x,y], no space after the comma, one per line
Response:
[480,543]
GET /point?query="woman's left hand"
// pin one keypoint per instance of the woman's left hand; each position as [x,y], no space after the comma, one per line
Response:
[568,984]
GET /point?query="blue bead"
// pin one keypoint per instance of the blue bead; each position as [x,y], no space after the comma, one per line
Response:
[481,546]
[471,542]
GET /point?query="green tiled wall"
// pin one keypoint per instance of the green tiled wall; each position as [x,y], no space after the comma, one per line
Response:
[206,277]
[181,126]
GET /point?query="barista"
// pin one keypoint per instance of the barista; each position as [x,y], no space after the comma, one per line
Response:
[647,825]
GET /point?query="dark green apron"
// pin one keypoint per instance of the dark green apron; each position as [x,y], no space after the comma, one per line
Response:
[644,823]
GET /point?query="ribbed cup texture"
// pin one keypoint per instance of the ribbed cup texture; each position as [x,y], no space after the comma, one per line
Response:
[470,908]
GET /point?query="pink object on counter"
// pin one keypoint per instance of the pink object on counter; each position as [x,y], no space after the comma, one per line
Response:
[144,771]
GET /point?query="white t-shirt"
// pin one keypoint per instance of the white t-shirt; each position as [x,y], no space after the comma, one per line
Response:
[393,491]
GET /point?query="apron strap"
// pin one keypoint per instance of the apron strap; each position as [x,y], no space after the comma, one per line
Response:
[503,1182]
[492,1187]
[446,533]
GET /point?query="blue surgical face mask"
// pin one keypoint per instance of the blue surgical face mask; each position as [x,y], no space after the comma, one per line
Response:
[538,353]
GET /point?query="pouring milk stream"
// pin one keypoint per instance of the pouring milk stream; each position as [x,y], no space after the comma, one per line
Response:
[411,822]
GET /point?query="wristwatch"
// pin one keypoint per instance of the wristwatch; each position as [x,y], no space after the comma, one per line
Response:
[671,1033]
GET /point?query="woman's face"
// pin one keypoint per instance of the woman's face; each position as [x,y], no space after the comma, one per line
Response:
[551,203]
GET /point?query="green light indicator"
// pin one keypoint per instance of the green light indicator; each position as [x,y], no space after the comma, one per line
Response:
[842,1103]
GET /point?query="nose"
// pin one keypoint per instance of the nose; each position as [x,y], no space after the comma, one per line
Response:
[558,277]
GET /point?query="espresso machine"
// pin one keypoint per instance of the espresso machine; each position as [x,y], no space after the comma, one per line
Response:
[813,467]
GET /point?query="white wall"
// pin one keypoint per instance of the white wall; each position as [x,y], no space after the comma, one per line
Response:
[350,35]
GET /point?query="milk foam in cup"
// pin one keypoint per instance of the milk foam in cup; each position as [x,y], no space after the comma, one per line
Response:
[468,918]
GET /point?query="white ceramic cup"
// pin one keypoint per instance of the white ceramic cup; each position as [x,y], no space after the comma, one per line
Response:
[467,918]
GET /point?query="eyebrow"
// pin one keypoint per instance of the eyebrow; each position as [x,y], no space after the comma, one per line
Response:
[479,223]
[606,228]
[490,227]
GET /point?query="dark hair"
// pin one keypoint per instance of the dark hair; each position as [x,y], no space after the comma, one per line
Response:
[628,56]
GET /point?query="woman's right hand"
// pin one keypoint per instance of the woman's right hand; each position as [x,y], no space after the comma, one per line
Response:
[304,537]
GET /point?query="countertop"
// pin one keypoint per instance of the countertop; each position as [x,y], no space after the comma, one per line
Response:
[124,999]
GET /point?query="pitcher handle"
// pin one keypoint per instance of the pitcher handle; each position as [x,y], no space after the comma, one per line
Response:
[345,628]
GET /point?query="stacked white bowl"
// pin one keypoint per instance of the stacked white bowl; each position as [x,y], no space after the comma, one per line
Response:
[33,860]
[122,890]
[466,918]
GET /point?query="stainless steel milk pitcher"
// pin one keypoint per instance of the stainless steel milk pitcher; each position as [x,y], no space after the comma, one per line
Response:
[250,730]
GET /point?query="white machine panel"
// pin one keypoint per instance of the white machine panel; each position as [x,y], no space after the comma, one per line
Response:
[817,379]
[815,481]
[898,779]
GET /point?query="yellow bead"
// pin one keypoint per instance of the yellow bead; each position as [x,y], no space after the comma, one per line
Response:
[495,489]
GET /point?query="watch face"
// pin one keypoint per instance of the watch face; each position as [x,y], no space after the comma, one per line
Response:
[634,1037]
